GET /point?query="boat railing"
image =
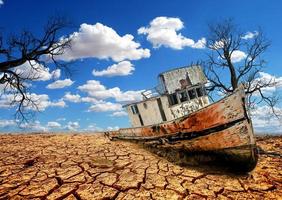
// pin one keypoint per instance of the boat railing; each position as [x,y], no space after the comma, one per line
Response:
[153,92]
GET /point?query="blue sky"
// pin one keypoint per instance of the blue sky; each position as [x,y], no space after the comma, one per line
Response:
[78,105]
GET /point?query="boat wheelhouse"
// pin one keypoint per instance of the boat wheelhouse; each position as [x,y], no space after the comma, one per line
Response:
[180,91]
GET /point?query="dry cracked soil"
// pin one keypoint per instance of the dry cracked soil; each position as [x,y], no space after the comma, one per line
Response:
[81,166]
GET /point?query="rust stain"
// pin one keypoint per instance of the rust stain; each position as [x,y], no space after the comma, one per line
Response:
[222,112]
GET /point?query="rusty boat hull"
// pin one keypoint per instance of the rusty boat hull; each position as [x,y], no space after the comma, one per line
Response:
[220,132]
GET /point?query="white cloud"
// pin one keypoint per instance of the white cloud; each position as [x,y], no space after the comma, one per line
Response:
[40,100]
[1,2]
[61,119]
[110,128]
[217,45]
[59,103]
[268,77]
[6,100]
[250,35]
[105,107]
[60,84]
[33,126]
[238,56]
[103,42]
[56,73]
[72,126]
[89,100]
[200,44]
[53,125]
[7,123]
[273,81]
[93,127]
[119,114]
[162,31]
[264,121]
[36,71]
[96,89]
[75,98]
[123,68]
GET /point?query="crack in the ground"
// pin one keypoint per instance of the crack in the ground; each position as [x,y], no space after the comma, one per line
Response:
[62,165]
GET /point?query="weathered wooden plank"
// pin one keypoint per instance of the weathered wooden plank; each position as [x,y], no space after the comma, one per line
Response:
[238,135]
[234,145]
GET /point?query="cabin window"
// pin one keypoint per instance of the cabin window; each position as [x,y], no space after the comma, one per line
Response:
[183,96]
[145,105]
[172,98]
[204,91]
[200,92]
[192,94]
[134,109]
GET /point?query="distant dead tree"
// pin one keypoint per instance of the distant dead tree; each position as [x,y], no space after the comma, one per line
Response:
[31,54]
[235,58]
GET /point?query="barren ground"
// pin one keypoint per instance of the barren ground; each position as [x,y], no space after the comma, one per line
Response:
[71,166]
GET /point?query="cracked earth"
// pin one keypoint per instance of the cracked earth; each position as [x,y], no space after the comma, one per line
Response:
[65,166]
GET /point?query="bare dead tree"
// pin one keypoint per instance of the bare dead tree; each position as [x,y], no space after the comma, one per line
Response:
[21,56]
[235,59]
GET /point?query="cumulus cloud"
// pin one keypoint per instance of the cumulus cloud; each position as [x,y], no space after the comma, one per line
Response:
[250,35]
[238,56]
[60,84]
[123,68]
[75,98]
[89,100]
[53,125]
[5,100]
[33,126]
[96,89]
[163,31]
[72,126]
[1,2]
[61,119]
[264,121]
[105,107]
[41,100]
[112,128]
[102,42]
[37,71]
[59,103]
[93,127]
[275,82]
[56,73]
[7,123]
[119,114]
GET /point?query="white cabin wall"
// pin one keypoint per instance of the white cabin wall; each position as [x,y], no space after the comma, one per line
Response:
[151,114]
[134,119]
[166,108]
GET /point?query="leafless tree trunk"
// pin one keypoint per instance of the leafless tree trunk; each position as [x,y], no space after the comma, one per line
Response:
[225,73]
[25,48]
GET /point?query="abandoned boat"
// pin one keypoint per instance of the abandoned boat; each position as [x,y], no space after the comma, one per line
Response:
[176,116]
